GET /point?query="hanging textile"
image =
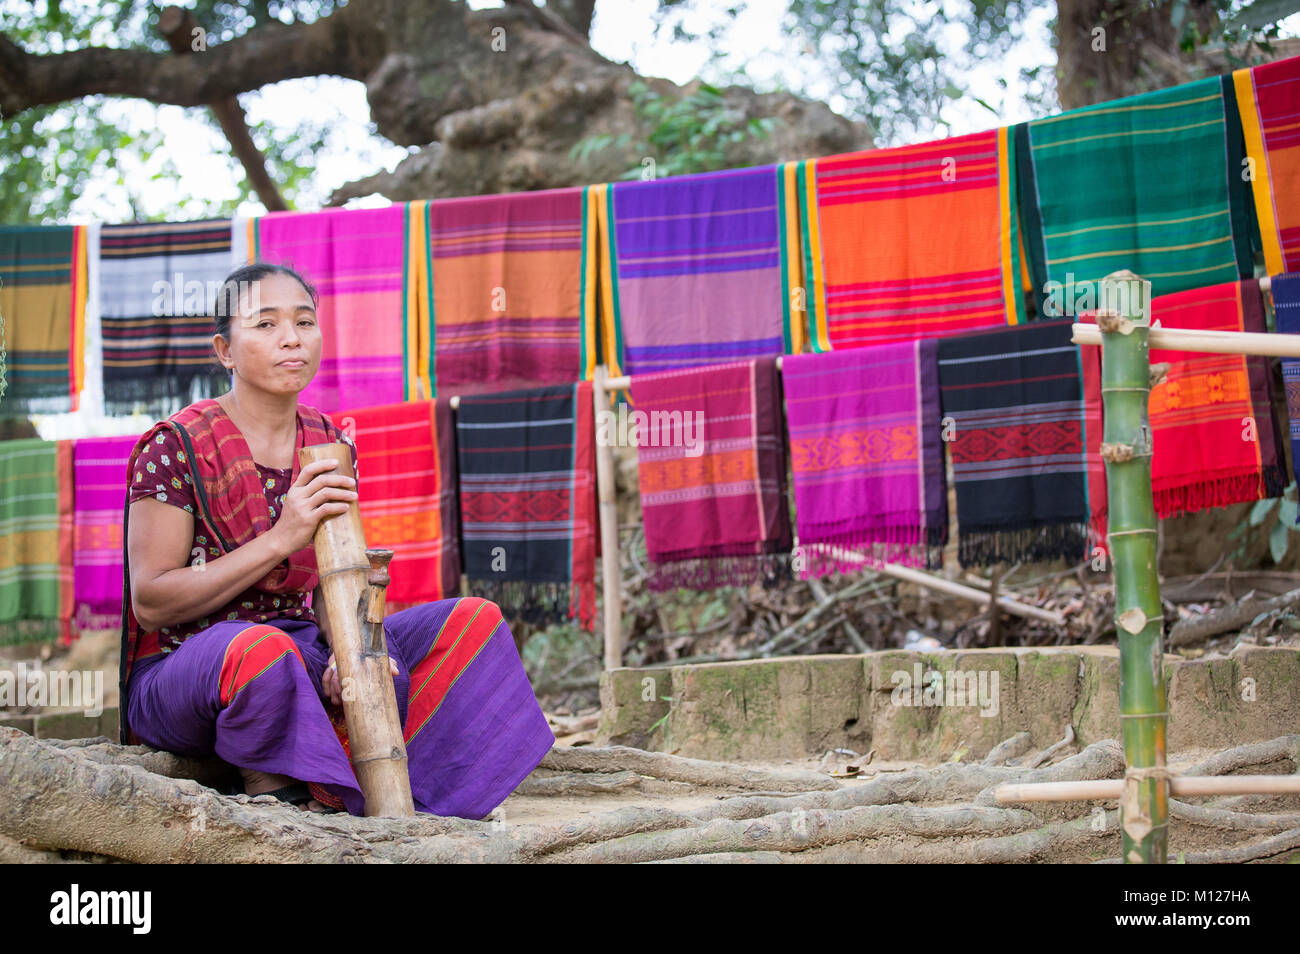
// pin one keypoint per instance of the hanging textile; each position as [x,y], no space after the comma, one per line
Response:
[528,501]
[43,280]
[1267,96]
[158,284]
[36,586]
[511,299]
[407,500]
[866,456]
[1212,423]
[699,269]
[98,466]
[1286,307]
[1150,183]
[365,266]
[711,461]
[1013,409]
[915,242]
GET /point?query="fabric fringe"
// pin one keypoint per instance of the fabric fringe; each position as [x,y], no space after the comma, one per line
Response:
[164,395]
[540,604]
[978,546]
[898,542]
[711,572]
[17,632]
[1219,491]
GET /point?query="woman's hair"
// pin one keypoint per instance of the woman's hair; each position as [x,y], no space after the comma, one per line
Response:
[241,278]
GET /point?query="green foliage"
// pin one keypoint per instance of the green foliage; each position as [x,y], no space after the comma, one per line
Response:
[688,134]
[1277,518]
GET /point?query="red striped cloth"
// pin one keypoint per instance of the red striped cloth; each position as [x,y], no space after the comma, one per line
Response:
[407,500]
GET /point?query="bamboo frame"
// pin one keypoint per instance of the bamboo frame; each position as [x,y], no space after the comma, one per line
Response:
[1183,786]
[1216,342]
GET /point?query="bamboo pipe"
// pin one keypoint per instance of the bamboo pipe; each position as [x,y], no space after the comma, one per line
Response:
[1179,785]
[1218,342]
[352,581]
[1139,616]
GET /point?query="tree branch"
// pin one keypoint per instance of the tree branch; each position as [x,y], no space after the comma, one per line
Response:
[345,44]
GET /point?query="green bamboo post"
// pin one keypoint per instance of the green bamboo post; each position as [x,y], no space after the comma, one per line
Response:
[1125,320]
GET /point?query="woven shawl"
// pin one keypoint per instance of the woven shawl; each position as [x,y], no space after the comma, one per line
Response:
[232,507]
[512,292]
[157,286]
[699,269]
[1212,423]
[1286,307]
[1216,437]
[528,501]
[98,465]
[368,283]
[43,280]
[36,590]
[866,456]
[408,499]
[915,242]
[1151,183]
[1267,96]
[1014,401]
[711,463]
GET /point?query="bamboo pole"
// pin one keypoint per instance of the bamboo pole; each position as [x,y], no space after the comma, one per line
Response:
[354,606]
[1218,342]
[1124,322]
[1179,785]
[611,572]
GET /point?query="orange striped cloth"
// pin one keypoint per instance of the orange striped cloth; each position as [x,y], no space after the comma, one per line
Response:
[915,242]
[1268,97]
[507,291]
[408,496]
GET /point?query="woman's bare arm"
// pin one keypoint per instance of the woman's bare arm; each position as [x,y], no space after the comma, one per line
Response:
[165,587]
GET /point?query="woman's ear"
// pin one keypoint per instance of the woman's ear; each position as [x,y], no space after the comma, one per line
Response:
[222,348]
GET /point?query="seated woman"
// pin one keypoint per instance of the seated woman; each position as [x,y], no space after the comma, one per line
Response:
[221,653]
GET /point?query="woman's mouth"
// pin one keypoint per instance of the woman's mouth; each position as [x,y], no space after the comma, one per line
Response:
[292,364]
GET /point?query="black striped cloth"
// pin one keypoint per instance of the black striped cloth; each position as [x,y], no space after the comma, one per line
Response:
[1013,402]
[157,286]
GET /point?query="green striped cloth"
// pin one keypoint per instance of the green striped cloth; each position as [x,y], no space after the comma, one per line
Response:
[1152,183]
[31,570]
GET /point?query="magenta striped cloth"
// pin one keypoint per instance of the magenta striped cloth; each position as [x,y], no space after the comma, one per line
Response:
[356,258]
[99,469]
[866,456]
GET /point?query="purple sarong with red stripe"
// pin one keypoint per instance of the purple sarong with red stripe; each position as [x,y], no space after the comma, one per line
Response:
[250,693]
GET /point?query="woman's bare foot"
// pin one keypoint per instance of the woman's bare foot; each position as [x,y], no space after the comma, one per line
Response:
[259,783]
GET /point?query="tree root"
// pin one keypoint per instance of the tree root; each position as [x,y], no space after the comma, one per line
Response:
[1238,821]
[673,768]
[1267,848]
[799,830]
[1283,748]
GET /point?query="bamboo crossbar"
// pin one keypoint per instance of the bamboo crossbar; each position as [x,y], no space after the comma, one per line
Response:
[1179,785]
[1217,342]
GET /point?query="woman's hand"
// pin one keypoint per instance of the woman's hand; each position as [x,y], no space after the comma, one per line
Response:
[313,496]
[333,688]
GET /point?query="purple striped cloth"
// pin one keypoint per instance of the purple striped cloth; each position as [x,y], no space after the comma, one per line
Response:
[250,694]
[98,466]
[867,457]
[703,270]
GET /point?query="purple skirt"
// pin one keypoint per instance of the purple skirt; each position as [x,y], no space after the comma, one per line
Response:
[250,694]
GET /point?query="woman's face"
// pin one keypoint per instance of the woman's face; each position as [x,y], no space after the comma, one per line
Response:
[275,340]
